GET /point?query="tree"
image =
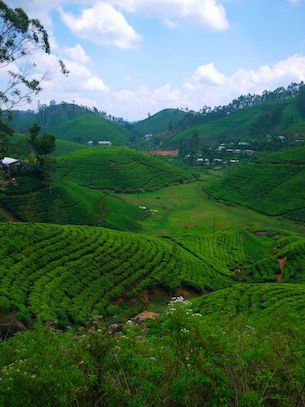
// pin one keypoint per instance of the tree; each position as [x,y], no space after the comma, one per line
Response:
[42,145]
[302,100]
[20,36]
[102,210]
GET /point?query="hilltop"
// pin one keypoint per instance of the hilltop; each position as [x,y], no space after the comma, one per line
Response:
[119,169]
[164,121]
[73,123]
[274,184]
[90,127]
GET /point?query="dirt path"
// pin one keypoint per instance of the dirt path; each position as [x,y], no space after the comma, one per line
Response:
[282,263]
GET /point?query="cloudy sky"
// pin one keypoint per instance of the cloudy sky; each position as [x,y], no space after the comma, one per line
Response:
[133,57]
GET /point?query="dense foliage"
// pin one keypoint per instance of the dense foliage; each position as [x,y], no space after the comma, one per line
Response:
[185,359]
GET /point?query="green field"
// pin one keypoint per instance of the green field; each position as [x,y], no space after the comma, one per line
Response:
[274,184]
[188,209]
[119,169]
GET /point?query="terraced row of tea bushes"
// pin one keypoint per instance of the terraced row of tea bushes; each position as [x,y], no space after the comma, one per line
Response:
[273,189]
[268,269]
[119,169]
[65,202]
[229,250]
[69,273]
[256,299]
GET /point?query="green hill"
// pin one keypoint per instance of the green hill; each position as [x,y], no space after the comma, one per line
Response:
[282,116]
[21,149]
[254,299]
[273,185]
[90,127]
[65,202]
[163,121]
[119,169]
[69,273]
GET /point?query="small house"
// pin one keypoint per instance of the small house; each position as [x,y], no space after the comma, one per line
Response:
[104,143]
[10,164]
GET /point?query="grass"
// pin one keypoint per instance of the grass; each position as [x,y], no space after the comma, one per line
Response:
[184,209]
[274,185]
[119,169]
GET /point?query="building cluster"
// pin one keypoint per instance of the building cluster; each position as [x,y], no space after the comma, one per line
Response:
[100,143]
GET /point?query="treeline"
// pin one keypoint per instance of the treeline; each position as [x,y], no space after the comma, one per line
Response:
[49,116]
[206,113]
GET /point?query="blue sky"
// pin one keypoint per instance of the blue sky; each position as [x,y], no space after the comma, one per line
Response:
[131,57]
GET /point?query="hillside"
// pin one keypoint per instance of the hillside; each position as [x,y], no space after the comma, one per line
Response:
[274,184]
[65,202]
[20,148]
[119,169]
[253,299]
[90,127]
[163,121]
[251,123]
[69,273]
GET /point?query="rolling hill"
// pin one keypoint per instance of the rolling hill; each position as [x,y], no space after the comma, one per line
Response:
[254,299]
[119,169]
[244,124]
[65,202]
[90,127]
[68,274]
[163,121]
[273,185]
[21,149]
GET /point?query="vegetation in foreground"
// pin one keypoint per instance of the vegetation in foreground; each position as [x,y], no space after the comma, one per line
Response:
[182,359]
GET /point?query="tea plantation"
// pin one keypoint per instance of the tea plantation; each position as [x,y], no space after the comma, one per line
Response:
[69,273]
[254,299]
[119,169]
[65,202]
[273,185]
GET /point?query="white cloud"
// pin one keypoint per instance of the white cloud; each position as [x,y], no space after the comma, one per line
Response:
[295,2]
[208,13]
[102,24]
[78,54]
[209,74]
[95,84]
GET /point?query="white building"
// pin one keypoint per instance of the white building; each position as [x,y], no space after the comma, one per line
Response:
[104,143]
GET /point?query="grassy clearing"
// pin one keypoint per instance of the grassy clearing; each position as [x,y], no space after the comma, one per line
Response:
[184,209]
